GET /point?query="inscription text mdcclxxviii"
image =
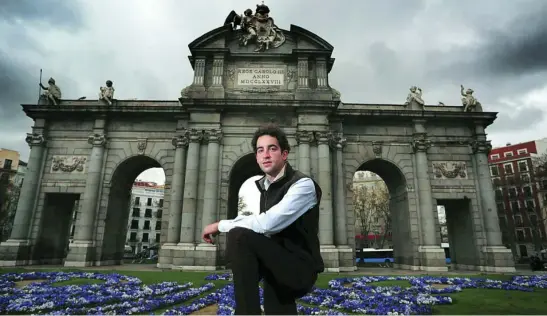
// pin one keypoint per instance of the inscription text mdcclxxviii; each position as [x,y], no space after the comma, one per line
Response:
[261,76]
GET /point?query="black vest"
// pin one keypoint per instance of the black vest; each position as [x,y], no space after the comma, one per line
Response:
[300,237]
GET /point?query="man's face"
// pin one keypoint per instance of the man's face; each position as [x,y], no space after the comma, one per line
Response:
[269,156]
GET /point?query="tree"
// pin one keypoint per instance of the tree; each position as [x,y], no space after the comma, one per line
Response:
[241,205]
[371,207]
[9,196]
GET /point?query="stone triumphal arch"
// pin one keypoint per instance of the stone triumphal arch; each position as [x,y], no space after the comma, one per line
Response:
[246,73]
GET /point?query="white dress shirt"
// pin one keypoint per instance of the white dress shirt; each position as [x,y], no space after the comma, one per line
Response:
[298,200]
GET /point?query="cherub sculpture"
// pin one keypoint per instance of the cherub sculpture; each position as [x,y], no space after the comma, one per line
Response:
[52,92]
[107,93]
[416,95]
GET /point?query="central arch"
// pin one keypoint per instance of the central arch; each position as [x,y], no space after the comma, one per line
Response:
[119,198]
[403,248]
[244,168]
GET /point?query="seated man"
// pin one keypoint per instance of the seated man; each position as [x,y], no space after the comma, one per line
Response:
[279,245]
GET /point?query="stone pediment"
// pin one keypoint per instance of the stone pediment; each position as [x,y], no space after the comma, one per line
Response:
[226,40]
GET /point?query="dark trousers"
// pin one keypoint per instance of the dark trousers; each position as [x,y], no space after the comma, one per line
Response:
[286,276]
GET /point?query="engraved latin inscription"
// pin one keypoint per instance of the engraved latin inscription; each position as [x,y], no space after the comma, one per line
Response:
[260,76]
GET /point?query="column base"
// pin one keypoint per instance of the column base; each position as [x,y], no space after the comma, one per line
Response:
[15,252]
[346,258]
[497,259]
[331,258]
[80,254]
[432,258]
[165,256]
[201,257]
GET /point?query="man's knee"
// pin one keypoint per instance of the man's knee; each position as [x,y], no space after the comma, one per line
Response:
[238,237]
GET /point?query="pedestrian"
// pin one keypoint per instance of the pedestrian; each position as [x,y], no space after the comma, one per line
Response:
[280,245]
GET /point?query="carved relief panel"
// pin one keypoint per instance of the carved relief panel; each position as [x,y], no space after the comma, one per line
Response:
[450,169]
[68,164]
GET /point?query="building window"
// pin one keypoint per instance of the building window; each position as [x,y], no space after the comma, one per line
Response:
[513,193]
[133,237]
[148,213]
[145,237]
[137,201]
[7,164]
[523,166]
[508,168]
[518,220]
[161,203]
[523,250]
[508,154]
[520,234]
[494,171]
[158,238]
[499,195]
[495,156]
[522,151]
[149,202]
[134,224]
[146,225]
[159,213]
[525,177]
[515,206]
[530,205]
[136,212]
[158,225]
[501,207]
[533,219]
[527,191]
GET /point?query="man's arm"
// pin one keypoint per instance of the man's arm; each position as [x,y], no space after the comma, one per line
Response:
[300,197]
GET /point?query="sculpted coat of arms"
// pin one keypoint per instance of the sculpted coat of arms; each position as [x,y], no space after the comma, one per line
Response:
[258,28]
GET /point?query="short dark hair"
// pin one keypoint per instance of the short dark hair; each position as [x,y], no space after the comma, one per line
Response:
[273,131]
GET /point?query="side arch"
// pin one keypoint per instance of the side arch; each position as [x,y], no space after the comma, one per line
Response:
[403,217]
[243,168]
[118,198]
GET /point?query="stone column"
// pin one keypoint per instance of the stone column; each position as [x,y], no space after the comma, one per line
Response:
[84,228]
[432,255]
[189,202]
[341,236]
[325,182]
[25,205]
[177,188]
[304,138]
[481,148]
[210,203]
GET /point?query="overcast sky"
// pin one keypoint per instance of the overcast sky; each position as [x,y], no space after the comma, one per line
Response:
[498,48]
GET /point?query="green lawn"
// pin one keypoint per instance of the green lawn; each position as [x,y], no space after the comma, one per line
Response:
[467,302]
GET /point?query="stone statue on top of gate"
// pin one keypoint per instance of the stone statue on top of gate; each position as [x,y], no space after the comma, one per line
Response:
[469,102]
[259,28]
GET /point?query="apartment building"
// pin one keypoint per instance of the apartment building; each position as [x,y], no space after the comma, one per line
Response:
[146,207]
[518,196]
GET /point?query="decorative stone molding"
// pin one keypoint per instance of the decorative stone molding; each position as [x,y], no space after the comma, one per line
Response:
[323,137]
[68,164]
[35,139]
[304,136]
[212,136]
[97,140]
[181,140]
[420,142]
[195,136]
[450,169]
[338,141]
[377,148]
[481,146]
[141,146]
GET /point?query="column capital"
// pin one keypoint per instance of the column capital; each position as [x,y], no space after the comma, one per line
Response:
[304,136]
[195,136]
[181,140]
[323,137]
[35,139]
[481,146]
[420,143]
[97,140]
[338,141]
[212,136]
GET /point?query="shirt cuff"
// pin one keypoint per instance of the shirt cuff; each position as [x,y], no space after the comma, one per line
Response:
[224,226]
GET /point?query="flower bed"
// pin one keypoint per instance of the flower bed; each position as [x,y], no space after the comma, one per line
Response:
[119,294]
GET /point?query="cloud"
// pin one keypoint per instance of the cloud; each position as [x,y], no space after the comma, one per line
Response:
[381,49]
